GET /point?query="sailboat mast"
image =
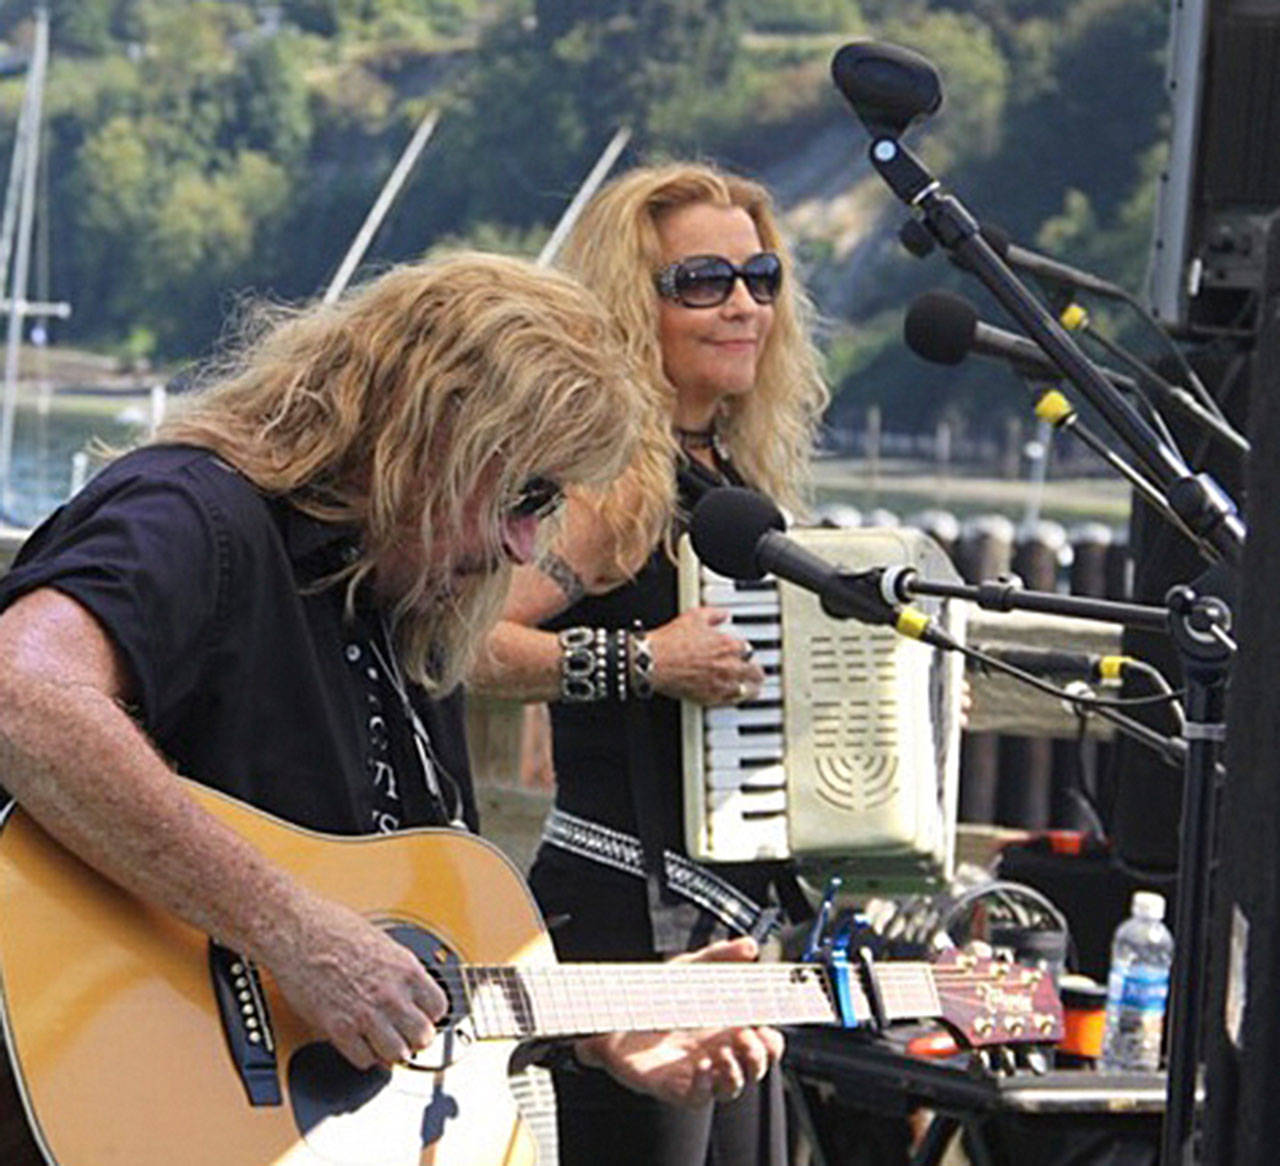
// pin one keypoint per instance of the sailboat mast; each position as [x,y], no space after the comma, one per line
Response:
[29,126]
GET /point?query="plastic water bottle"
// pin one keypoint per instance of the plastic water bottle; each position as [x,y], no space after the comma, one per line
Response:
[1137,988]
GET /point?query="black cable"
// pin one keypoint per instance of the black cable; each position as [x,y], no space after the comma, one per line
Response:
[1061,693]
[1194,383]
[1080,790]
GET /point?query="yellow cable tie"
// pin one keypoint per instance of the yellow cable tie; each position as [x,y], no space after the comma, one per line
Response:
[1111,667]
[1074,317]
[912,622]
[1054,408]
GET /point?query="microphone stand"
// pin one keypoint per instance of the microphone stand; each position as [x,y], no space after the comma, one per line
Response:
[890,88]
[1172,395]
[1199,625]
[1196,498]
[1051,406]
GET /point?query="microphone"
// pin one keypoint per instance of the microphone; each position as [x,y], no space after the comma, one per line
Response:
[1052,662]
[1049,270]
[888,86]
[739,533]
[915,237]
[944,328]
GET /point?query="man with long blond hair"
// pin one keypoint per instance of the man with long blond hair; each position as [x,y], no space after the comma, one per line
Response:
[276,597]
[690,261]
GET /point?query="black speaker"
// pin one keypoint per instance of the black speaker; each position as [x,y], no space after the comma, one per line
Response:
[1242,1039]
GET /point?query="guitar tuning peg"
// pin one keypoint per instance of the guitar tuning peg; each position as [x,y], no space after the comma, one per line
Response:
[1037,1059]
[1008,1062]
[978,949]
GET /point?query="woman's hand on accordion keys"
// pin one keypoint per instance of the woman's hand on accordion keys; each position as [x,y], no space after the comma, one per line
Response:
[693,660]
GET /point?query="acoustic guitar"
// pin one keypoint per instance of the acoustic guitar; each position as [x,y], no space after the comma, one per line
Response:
[134,1041]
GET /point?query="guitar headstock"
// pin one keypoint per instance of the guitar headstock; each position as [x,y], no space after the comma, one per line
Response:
[987,1001]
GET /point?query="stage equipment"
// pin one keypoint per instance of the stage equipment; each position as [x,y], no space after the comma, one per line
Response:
[848,759]
[889,89]
[1221,184]
[1242,1040]
[1077,319]
[735,519]
[915,237]
[942,327]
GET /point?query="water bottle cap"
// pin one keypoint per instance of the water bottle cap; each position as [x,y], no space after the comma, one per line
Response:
[1148,905]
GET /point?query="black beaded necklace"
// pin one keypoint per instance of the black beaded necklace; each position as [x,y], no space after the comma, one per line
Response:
[696,438]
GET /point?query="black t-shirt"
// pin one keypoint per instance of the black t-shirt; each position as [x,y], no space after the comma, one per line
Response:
[247,674]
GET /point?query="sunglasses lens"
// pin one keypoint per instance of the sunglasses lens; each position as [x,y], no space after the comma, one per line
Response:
[763,276]
[538,497]
[703,283]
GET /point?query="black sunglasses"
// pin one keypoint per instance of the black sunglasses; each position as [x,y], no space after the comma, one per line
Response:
[538,498]
[706,281]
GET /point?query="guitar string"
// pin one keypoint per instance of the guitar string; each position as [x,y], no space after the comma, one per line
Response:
[774,977]
[766,971]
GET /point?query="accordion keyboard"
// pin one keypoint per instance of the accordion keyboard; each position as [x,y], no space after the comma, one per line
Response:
[746,786]
[851,749]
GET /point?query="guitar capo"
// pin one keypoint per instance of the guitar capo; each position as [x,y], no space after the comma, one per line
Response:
[832,952]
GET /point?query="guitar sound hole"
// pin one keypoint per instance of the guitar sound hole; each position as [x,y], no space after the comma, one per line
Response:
[441,962]
[354,1117]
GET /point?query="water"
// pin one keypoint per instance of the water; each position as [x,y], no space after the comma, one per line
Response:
[45,441]
[1138,988]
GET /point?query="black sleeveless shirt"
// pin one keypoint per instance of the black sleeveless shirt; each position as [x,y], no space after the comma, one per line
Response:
[603,913]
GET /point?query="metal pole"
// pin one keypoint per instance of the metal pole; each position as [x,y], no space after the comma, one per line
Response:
[22,258]
[16,166]
[551,248]
[373,220]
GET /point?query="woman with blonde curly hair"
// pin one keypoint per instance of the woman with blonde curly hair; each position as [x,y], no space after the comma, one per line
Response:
[690,261]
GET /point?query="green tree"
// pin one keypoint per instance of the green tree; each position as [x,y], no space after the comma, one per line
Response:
[270,106]
[114,190]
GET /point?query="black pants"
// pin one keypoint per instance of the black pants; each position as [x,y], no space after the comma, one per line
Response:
[601,1121]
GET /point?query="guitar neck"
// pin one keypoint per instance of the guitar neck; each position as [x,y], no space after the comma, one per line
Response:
[573,999]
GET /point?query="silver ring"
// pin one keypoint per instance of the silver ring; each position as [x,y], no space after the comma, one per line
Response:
[743,689]
[746,652]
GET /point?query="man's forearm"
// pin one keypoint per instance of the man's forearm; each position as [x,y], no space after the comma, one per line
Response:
[79,765]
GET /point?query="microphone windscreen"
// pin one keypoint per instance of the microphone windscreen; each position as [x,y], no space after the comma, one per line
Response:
[939,326]
[726,527]
[888,86]
[915,237]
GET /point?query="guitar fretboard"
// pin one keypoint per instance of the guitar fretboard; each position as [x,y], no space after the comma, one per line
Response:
[567,999]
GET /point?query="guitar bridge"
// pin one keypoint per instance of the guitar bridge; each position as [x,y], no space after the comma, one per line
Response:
[245,1023]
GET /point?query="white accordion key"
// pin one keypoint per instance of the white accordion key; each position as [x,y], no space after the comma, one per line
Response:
[756,713]
[736,740]
[768,776]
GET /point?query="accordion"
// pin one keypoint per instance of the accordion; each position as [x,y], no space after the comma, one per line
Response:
[850,754]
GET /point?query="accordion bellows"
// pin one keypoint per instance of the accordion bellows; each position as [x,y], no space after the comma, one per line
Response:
[851,753]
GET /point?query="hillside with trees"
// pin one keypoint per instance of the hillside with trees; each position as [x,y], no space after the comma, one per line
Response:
[201,151]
